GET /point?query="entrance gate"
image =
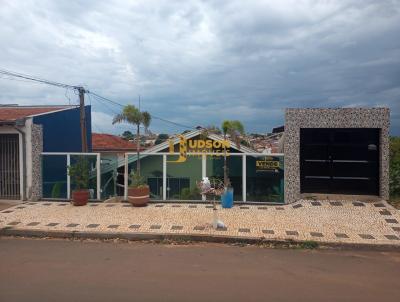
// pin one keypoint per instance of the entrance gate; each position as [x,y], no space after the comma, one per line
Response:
[9,166]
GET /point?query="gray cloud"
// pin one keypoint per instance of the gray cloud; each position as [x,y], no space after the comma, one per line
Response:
[199,62]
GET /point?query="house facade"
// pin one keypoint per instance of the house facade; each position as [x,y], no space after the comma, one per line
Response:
[173,169]
[26,132]
[341,151]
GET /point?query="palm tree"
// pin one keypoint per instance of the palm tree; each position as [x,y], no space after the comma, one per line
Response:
[132,115]
[234,129]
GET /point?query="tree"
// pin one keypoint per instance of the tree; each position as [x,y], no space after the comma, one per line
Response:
[127,135]
[394,167]
[213,129]
[234,129]
[162,137]
[132,115]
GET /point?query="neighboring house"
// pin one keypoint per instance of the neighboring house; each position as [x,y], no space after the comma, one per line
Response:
[171,180]
[112,149]
[26,132]
[108,144]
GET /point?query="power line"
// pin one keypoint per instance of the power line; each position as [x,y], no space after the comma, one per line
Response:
[102,102]
[35,79]
[154,116]
[174,123]
[76,88]
[105,99]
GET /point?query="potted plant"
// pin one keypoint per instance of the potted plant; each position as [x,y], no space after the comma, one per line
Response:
[138,192]
[79,174]
[234,129]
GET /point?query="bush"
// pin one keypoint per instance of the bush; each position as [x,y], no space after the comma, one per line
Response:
[137,181]
[56,190]
[310,245]
[394,166]
[79,173]
[187,194]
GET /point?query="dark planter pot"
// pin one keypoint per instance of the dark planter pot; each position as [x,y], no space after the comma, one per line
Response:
[80,197]
[139,197]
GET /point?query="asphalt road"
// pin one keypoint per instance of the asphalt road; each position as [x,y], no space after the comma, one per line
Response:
[61,270]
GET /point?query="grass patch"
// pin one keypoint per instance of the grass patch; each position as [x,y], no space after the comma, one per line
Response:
[309,245]
[395,201]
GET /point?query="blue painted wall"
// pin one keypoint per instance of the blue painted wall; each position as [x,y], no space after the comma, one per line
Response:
[61,130]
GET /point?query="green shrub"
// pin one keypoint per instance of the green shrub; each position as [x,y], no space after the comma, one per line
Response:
[56,190]
[79,173]
[137,181]
[310,245]
[394,166]
[187,194]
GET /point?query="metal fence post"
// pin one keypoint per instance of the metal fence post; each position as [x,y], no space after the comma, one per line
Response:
[164,179]
[98,177]
[244,178]
[126,178]
[203,171]
[68,177]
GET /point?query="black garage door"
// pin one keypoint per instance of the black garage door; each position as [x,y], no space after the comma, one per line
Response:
[340,161]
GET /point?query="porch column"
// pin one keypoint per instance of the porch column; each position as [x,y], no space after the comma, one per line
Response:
[22,184]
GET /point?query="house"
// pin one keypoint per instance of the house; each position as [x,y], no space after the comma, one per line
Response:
[172,173]
[326,151]
[112,149]
[26,132]
[109,144]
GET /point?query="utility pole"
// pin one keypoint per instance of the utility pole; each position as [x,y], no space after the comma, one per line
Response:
[82,118]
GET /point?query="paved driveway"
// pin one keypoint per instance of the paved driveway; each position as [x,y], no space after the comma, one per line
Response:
[324,221]
[4,204]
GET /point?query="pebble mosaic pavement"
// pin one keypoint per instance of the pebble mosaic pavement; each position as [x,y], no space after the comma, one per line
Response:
[323,221]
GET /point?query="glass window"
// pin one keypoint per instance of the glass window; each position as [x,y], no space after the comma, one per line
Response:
[151,169]
[264,181]
[215,169]
[182,178]
[111,168]
[54,176]
[91,162]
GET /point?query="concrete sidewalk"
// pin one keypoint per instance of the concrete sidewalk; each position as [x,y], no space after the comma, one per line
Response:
[333,222]
[5,204]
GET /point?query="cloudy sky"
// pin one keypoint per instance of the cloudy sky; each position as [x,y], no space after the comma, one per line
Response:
[199,62]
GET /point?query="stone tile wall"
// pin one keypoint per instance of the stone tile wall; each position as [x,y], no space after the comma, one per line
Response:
[332,118]
[37,149]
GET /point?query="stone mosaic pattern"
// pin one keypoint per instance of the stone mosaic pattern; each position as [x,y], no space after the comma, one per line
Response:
[346,222]
[332,118]
[37,149]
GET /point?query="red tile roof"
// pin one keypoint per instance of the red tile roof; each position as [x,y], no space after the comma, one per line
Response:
[13,113]
[111,143]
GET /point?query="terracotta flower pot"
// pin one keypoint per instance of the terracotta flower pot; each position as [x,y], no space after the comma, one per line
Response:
[139,197]
[80,197]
